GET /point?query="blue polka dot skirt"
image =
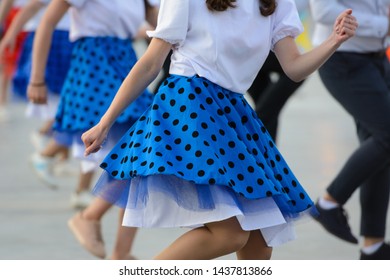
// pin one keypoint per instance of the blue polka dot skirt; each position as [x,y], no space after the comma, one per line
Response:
[57,65]
[99,66]
[200,154]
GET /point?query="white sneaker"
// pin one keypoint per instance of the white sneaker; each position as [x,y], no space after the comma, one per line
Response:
[42,166]
[39,140]
[81,200]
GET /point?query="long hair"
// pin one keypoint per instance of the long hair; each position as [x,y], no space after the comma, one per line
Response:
[267,7]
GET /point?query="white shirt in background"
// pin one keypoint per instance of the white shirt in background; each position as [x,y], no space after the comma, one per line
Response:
[117,18]
[372,17]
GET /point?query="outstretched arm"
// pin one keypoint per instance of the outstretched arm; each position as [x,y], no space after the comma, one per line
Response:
[143,73]
[298,66]
[42,42]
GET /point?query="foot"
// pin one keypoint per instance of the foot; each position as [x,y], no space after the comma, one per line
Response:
[42,166]
[335,221]
[81,200]
[383,253]
[88,234]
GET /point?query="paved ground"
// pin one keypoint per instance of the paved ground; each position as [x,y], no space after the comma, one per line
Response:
[316,136]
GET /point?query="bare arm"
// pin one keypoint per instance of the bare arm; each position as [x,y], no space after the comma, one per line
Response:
[42,43]
[298,66]
[142,74]
[151,15]
[5,8]
[26,13]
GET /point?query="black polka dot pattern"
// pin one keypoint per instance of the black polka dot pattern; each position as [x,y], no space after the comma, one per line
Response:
[56,68]
[98,67]
[205,134]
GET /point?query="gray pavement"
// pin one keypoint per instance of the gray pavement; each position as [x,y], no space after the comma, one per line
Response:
[316,136]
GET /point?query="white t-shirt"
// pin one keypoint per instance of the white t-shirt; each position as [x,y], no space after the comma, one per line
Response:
[118,18]
[228,48]
[32,24]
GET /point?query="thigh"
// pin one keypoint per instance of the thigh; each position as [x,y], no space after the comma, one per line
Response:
[255,249]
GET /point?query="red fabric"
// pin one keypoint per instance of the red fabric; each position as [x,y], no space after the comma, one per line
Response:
[10,58]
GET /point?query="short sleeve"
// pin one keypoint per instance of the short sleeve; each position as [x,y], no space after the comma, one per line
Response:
[172,23]
[286,22]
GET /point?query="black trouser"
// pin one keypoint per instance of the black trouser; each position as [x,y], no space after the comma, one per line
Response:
[361,84]
[270,97]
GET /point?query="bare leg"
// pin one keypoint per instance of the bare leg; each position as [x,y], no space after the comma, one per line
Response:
[85,181]
[211,241]
[53,149]
[61,151]
[63,154]
[96,209]
[4,88]
[46,127]
[124,240]
[255,248]
[3,95]
[368,241]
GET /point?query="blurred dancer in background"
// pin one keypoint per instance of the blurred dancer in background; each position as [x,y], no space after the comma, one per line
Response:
[102,32]
[357,75]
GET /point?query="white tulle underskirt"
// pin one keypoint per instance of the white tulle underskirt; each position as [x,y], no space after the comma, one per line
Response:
[161,201]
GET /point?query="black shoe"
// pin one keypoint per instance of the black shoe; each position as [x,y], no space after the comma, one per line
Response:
[383,253]
[335,221]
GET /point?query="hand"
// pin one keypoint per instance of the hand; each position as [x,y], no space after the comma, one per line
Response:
[93,139]
[345,26]
[37,94]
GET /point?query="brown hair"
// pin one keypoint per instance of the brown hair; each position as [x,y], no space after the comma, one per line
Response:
[267,7]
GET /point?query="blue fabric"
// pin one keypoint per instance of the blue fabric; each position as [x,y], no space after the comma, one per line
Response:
[57,65]
[203,134]
[99,66]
